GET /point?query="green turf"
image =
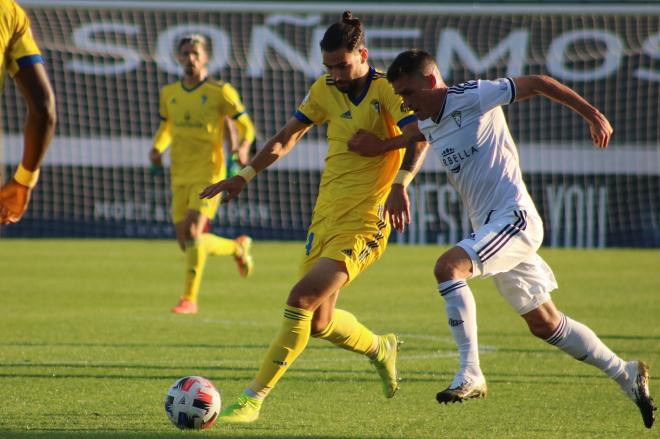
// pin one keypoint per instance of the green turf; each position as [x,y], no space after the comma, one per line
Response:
[89,347]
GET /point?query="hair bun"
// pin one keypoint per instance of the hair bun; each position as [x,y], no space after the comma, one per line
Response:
[347,18]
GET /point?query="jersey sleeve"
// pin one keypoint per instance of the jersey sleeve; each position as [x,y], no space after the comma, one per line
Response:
[245,128]
[310,110]
[163,136]
[233,106]
[162,111]
[22,51]
[394,105]
[494,93]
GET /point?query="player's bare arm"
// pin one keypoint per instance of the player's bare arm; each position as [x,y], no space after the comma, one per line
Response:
[397,205]
[277,147]
[535,85]
[34,86]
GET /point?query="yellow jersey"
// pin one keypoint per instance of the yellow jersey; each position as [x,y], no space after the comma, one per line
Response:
[193,124]
[353,186]
[17,47]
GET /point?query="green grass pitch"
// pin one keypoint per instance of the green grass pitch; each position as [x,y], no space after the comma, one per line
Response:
[89,346]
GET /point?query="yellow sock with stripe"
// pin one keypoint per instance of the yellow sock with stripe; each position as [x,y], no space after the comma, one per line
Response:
[217,245]
[345,331]
[290,342]
[195,261]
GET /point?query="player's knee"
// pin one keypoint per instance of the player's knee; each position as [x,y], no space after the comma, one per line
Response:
[319,323]
[541,327]
[301,298]
[444,270]
[192,232]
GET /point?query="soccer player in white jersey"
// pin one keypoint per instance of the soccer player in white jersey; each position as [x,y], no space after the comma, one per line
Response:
[465,125]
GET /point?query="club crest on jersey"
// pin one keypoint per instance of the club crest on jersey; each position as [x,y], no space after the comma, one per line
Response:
[204,99]
[458,117]
[186,116]
[173,101]
[376,105]
[347,115]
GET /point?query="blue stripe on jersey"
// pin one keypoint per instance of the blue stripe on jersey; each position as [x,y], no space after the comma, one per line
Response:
[513,90]
[406,120]
[460,88]
[29,60]
[465,85]
[237,115]
[301,117]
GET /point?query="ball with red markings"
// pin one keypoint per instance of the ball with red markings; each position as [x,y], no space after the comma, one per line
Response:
[192,403]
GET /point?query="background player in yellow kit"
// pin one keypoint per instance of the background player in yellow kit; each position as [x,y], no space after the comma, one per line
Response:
[193,112]
[20,56]
[348,231]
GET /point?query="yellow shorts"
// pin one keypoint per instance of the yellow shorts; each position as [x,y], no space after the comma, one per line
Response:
[355,242]
[186,197]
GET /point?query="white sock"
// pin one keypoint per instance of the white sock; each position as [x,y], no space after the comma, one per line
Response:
[462,319]
[583,344]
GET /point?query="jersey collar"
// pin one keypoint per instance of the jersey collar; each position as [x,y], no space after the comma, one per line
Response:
[370,77]
[436,118]
[195,87]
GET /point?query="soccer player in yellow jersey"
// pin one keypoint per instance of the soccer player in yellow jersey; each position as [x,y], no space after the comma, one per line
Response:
[348,231]
[193,112]
[20,56]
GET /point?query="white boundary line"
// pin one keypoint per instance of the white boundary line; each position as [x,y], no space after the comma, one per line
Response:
[311,8]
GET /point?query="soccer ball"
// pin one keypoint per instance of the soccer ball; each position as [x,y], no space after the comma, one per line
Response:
[192,403]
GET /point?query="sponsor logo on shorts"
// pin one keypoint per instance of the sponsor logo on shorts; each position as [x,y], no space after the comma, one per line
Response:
[453,322]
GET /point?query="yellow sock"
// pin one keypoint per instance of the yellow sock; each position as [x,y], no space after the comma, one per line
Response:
[217,245]
[346,332]
[290,342]
[195,262]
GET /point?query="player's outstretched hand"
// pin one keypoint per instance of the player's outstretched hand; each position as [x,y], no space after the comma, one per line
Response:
[601,130]
[231,188]
[397,207]
[366,144]
[14,200]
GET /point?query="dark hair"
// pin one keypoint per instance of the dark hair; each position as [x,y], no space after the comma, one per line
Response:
[194,39]
[345,34]
[410,63]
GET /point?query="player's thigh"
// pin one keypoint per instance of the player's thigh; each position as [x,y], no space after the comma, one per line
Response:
[179,203]
[357,244]
[502,244]
[527,285]
[206,207]
[318,286]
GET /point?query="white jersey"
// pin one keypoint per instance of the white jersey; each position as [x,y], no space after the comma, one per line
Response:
[472,139]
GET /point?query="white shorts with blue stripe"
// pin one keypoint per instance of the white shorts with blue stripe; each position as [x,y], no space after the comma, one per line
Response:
[505,248]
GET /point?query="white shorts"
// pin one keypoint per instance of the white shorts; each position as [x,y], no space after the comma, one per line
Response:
[505,248]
